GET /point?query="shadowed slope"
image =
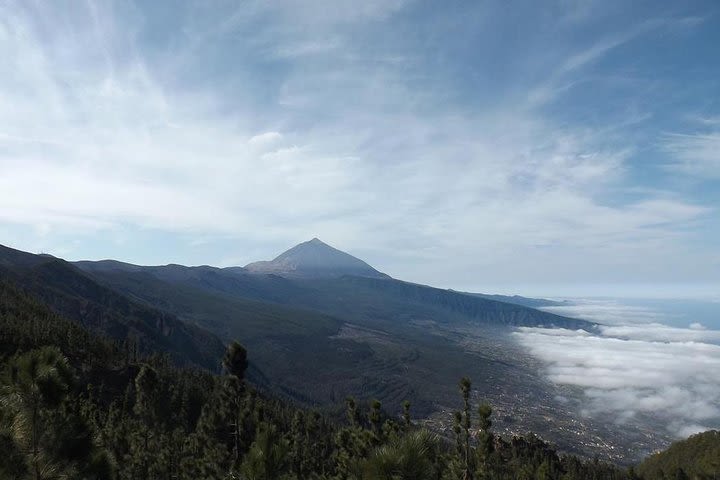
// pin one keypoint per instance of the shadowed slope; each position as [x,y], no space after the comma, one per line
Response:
[73,294]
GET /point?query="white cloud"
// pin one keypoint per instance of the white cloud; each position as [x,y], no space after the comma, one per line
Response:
[656,332]
[560,80]
[637,368]
[607,312]
[102,133]
[694,154]
[265,140]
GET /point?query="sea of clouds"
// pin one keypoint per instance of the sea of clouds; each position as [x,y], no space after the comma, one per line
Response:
[634,365]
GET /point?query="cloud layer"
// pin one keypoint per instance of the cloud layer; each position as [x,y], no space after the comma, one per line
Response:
[644,371]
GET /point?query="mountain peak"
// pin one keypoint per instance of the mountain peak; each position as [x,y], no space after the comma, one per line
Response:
[315,259]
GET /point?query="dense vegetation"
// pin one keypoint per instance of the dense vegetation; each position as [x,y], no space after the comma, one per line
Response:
[75,405]
[698,457]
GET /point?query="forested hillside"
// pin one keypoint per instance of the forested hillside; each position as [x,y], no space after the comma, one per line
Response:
[76,405]
[698,457]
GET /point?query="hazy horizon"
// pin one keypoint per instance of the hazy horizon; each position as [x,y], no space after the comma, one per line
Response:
[708,292]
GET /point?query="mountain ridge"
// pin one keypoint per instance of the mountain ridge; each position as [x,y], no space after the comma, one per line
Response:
[74,294]
[331,290]
[365,337]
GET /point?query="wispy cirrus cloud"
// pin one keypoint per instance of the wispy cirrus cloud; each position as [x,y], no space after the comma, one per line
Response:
[367,125]
[697,154]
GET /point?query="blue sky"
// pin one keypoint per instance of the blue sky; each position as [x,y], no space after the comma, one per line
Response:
[501,146]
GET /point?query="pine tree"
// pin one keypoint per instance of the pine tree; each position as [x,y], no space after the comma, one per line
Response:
[146,408]
[484,440]
[465,388]
[353,415]
[268,455]
[413,456]
[406,414]
[235,362]
[33,383]
[42,433]
[147,385]
[375,416]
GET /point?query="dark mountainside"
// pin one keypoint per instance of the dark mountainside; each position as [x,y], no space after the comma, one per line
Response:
[150,419]
[345,286]
[319,340]
[519,300]
[75,405]
[368,336]
[406,299]
[73,294]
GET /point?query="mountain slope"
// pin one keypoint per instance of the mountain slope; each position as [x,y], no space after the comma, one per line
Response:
[204,299]
[375,337]
[319,339]
[188,417]
[283,340]
[695,457]
[379,300]
[73,294]
[315,259]
[518,300]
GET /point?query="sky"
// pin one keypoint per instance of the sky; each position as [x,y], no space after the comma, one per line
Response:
[555,146]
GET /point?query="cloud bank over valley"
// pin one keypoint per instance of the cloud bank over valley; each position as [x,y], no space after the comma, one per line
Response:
[635,367]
